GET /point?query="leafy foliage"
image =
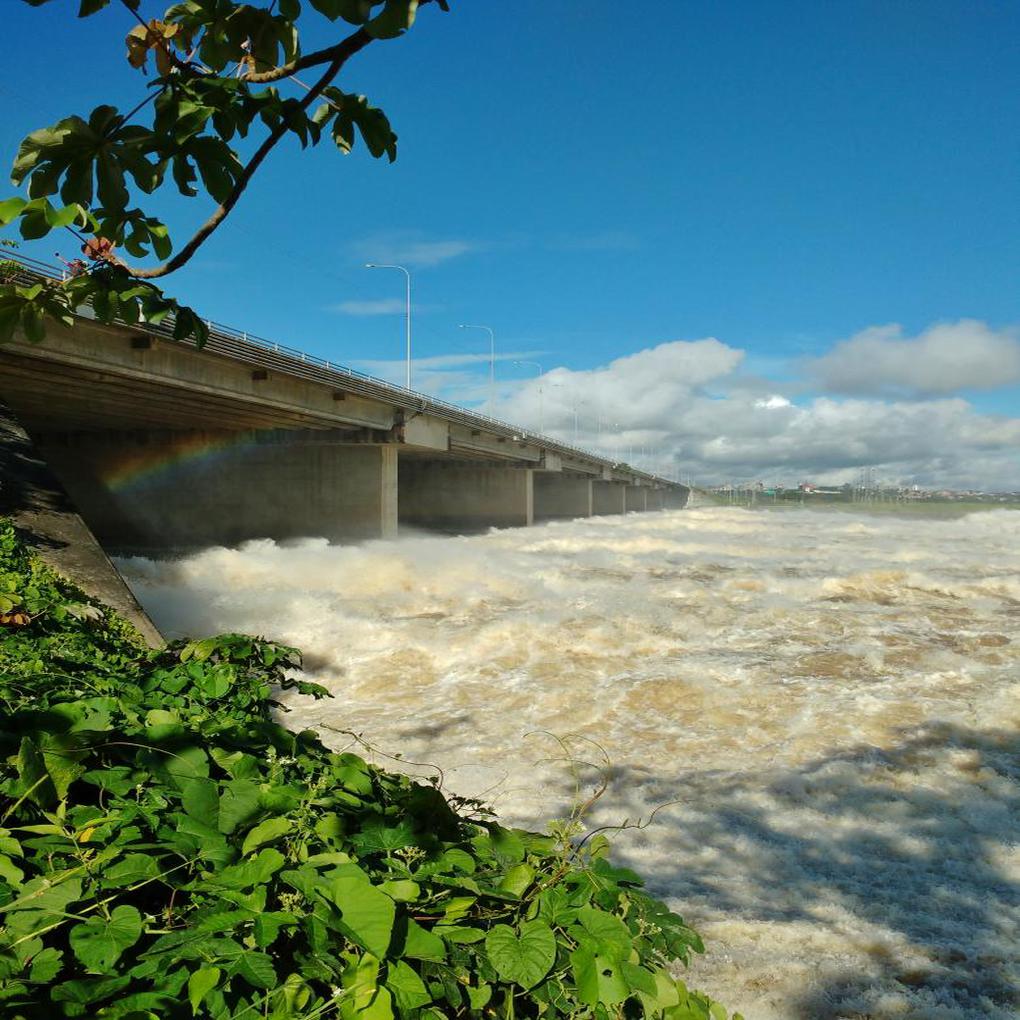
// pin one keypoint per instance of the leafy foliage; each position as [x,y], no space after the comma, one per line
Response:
[169,850]
[216,65]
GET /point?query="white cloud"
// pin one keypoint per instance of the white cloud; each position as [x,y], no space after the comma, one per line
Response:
[686,405]
[946,358]
[387,306]
[411,248]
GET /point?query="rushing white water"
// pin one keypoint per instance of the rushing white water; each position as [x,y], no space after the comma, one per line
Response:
[828,702]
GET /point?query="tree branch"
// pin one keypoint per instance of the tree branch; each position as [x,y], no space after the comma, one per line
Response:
[302,63]
[343,52]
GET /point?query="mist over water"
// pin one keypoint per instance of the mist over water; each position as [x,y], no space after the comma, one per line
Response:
[831,701]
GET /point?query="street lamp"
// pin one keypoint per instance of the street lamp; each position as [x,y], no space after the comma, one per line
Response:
[492,360]
[541,416]
[372,265]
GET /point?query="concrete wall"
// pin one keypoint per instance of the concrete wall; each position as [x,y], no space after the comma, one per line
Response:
[675,499]
[176,491]
[608,498]
[635,499]
[458,496]
[653,499]
[559,496]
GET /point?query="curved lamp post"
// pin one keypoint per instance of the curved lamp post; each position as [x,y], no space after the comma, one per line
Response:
[407,273]
[492,360]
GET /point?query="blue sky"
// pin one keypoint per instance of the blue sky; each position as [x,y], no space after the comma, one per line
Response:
[781,177]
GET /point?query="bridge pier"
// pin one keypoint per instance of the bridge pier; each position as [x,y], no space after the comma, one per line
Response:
[636,498]
[653,499]
[675,499]
[152,492]
[608,498]
[559,496]
[459,496]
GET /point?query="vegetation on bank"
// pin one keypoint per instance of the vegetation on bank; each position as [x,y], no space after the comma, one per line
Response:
[168,849]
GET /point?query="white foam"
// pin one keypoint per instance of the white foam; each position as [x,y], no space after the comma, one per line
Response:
[831,700]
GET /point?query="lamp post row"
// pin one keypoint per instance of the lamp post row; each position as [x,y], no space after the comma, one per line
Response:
[492,356]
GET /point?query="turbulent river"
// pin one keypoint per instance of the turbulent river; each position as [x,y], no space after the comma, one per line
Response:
[827,704]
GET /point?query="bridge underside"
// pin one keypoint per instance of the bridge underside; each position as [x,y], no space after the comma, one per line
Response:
[163,447]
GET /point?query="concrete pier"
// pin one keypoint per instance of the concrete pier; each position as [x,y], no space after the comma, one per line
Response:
[636,498]
[153,492]
[561,497]
[675,499]
[609,498]
[457,496]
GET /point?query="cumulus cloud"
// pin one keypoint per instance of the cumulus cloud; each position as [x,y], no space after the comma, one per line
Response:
[687,406]
[946,358]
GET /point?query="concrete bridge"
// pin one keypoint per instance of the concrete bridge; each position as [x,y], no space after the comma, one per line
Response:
[162,446]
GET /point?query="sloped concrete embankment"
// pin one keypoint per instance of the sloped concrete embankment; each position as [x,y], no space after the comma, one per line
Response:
[33,498]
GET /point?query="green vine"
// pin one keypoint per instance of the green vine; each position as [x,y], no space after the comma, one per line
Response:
[168,849]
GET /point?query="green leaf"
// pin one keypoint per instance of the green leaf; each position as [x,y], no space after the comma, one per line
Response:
[598,979]
[268,831]
[252,872]
[517,879]
[612,936]
[524,959]
[407,987]
[99,942]
[200,984]
[367,914]
[46,965]
[201,800]
[421,944]
[130,869]
[396,18]
[239,802]
[11,210]
[402,890]
[256,969]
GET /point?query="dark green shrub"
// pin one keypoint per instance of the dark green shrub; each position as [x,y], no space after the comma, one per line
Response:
[169,850]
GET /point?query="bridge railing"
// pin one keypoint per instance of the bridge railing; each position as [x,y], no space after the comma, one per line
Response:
[256,350]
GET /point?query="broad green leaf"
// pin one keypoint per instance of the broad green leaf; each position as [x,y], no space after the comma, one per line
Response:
[407,987]
[598,979]
[517,879]
[256,969]
[367,915]
[479,997]
[267,926]
[402,890]
[53,893]
[130,869]
[201,982]
[458,934]
[255,871]
[525,958]
[422,944]
[46,965]
[639,979]
[10,210]
[665,992]
[268,831]
[612,936]
[99,942]
[201,800]
[238,803]
[396,18]
[10,872]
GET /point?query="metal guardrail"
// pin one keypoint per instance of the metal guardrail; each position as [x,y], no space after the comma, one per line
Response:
[256,350]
